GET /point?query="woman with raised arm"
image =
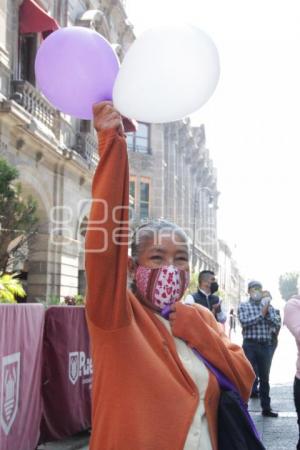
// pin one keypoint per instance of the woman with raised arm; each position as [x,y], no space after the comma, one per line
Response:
[150,391]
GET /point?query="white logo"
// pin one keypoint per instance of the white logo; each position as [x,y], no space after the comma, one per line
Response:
[10,387]
[73,367]
[79,366]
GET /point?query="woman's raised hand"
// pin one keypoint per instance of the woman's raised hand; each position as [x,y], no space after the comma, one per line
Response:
[106,117]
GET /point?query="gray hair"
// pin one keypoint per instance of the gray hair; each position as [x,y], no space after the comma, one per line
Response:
[154,230]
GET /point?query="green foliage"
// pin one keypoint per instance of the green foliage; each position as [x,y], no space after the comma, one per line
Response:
[71,300]
[53,300]
[193,286]
[79,299]
[18,215]
[221,294]
[9,288]
[288,285]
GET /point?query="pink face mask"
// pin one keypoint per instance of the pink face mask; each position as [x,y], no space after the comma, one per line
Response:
[162,286]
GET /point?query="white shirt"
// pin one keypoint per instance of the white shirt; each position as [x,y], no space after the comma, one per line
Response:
[198,437]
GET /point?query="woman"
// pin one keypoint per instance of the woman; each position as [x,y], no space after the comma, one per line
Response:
[150,392]
[292,321]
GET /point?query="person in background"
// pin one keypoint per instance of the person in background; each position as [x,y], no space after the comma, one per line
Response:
[232,321]
[205,296]
[258,318]
[292,321]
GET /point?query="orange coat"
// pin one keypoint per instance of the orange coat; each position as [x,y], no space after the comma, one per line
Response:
[143,398]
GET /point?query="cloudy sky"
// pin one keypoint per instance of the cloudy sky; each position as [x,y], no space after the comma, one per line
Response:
[252,123]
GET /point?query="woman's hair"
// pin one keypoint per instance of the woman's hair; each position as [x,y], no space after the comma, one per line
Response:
[154,230]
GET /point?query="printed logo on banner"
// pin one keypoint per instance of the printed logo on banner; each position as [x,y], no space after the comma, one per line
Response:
[10,387]
[80,367]
[73,367]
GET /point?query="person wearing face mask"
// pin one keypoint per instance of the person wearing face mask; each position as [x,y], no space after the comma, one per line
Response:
[205,295]
[150,391]
[258,318]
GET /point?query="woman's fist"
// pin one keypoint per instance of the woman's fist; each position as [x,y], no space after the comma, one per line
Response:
[106,117]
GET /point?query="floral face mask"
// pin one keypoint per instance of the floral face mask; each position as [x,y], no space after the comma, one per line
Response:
[162,286]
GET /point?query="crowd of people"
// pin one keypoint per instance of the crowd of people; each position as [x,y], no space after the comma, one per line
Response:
[155,352]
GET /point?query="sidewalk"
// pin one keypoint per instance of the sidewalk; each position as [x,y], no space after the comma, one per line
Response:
[280,433]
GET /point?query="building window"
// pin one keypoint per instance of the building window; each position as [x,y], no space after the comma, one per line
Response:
[33,21]
[140,141]
[85,126]
[144,199]
[28,49]
[130,140]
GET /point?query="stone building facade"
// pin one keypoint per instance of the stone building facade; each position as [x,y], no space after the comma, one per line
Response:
[171,173]
[175,174]
[232,283]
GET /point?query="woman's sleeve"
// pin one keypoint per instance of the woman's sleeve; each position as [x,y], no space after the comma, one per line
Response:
[292,317]
[202,332]
[106,245]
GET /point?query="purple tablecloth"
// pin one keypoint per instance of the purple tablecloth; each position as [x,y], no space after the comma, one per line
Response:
[67,373]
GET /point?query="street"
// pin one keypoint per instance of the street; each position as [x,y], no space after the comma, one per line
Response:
[280,433]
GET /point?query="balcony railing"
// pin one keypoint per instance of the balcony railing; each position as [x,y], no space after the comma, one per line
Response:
[85,144]
[33,101]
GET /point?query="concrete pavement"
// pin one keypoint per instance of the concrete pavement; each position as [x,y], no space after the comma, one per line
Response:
[78,442]
[280,433]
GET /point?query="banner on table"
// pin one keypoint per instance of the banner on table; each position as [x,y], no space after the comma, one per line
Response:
[21,335]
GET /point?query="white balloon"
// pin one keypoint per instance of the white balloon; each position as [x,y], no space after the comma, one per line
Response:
[168,73]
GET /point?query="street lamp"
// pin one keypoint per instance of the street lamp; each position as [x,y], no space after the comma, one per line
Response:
[195,207]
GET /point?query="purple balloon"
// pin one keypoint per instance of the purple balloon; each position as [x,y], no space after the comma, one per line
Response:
[76,67]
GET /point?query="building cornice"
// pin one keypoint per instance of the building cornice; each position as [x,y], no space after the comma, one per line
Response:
[21,120]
